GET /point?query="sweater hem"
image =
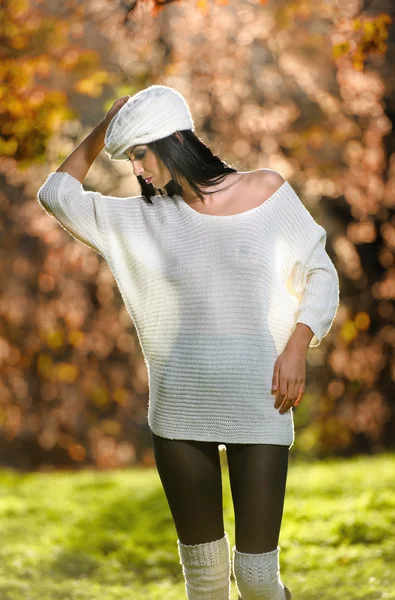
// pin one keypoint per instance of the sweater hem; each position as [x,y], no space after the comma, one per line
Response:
[249,438]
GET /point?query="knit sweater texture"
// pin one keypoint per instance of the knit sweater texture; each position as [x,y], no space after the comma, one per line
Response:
[214,300]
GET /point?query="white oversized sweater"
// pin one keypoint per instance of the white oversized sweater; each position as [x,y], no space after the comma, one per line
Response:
[214,300]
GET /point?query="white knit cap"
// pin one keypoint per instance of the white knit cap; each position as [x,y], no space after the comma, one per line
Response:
[149,115]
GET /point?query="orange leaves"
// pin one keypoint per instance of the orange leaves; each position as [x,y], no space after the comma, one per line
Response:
[370,37]
[76,338]
[156,9]
[339,50]
[373,37]
[362,321]
[36,47]
[19,7]
[157,5]
[202,5]
[374,31]
[63,372]
[77,452]
[55,339]
[66,372]
[93,84]
[69,60]
[100,396]
[45,366]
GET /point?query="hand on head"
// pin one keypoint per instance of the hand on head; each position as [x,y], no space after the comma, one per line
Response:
[116,107]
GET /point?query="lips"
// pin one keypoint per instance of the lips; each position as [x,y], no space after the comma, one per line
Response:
[148,180]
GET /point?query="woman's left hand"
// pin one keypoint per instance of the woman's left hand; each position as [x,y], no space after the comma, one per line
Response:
[289,376]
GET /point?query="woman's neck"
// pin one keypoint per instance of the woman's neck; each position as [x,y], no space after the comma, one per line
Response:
[189,195]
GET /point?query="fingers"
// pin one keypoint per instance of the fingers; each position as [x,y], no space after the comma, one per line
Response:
[116,107]
[281,394]
[286,404]
[286,398]
[280,390]
[122,101]
[300,395]
[275,380]
[287,394]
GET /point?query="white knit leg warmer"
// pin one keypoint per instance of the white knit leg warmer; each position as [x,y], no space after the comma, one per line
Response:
[257,576]
[206,569]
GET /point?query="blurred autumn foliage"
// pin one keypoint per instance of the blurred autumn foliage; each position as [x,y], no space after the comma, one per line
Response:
[305,88]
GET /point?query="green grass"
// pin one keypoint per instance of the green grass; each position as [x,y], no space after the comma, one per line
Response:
[110,536]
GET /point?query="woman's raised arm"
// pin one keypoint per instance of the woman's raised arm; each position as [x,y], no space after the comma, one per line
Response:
[82,213]
[80,160]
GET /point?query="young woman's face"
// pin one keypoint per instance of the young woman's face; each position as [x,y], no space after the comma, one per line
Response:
[148,165]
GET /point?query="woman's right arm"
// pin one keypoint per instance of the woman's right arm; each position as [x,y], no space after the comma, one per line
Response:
[80,160]
[81,213]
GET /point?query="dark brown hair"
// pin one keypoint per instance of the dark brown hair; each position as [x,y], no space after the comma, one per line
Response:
[192,159]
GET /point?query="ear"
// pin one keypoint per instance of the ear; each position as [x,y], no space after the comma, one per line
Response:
[179,136]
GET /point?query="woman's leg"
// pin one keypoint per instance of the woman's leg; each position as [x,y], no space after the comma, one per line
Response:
[258,474]
[190,472]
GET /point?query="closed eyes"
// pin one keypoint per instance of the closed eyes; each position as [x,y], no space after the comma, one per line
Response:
[138,156]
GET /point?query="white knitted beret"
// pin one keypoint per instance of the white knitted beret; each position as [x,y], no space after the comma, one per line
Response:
[149,115]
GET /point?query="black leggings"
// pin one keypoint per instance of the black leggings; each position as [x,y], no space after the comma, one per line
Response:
[190,472]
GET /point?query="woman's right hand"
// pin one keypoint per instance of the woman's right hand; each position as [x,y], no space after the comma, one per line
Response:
[115,108]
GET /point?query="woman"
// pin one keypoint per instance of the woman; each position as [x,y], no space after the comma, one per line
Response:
[228,283]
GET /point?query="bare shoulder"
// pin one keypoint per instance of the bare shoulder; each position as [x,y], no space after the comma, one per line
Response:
[263,182]
[268,178]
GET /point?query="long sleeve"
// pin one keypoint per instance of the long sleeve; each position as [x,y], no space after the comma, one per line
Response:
[313,276]
[320,293]
[79,212]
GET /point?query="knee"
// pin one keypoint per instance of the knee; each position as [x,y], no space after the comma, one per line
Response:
[258,575]
[206,569]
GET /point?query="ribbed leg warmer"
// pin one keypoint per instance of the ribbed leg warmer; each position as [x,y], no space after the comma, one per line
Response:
[257,576]
[206,569]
